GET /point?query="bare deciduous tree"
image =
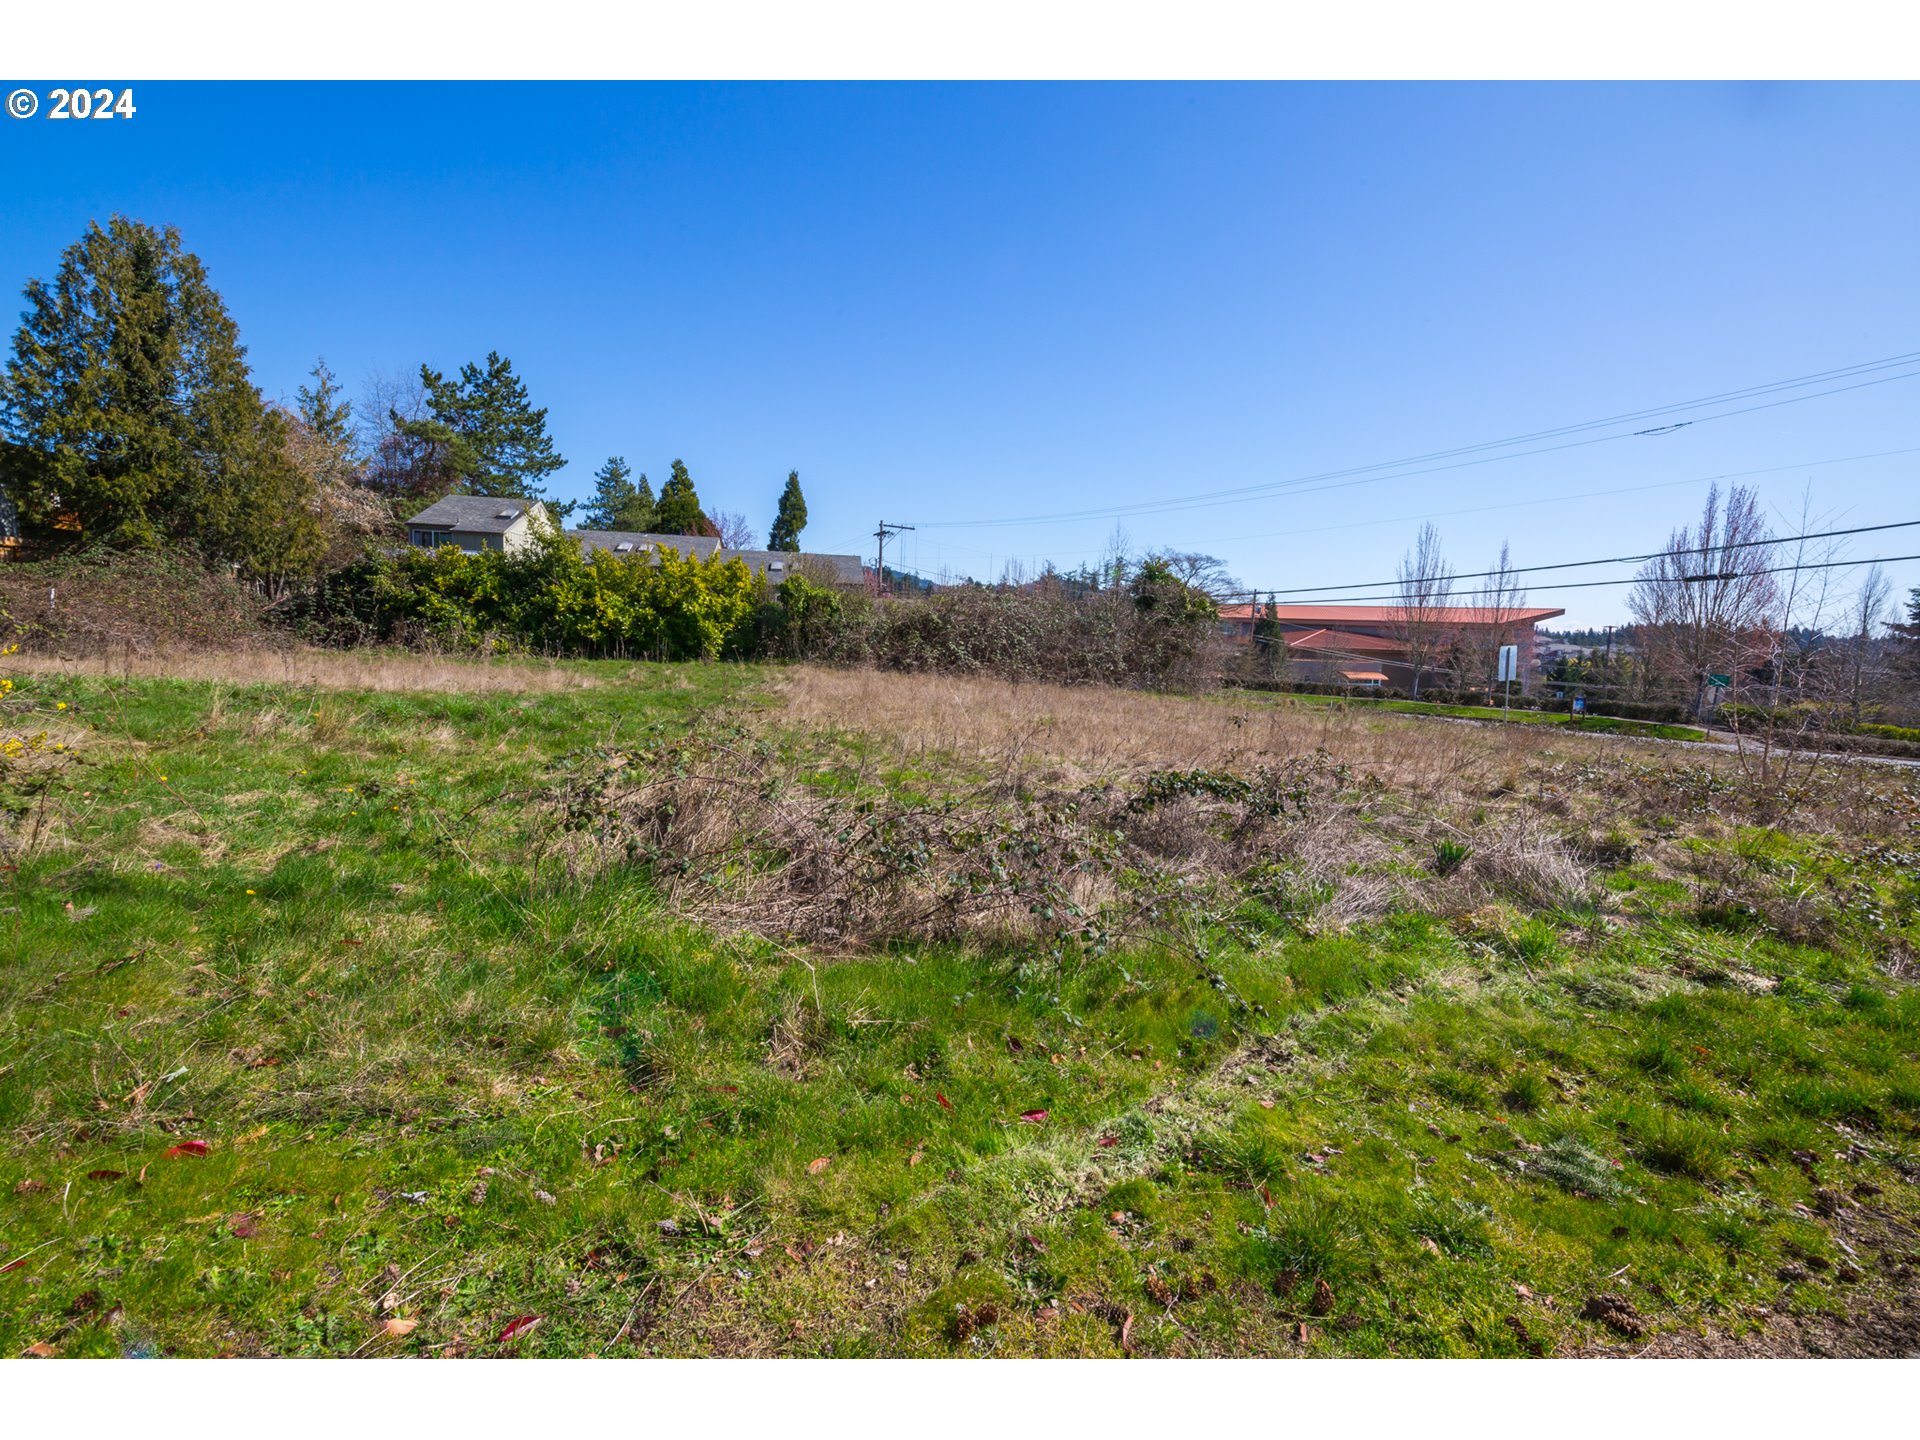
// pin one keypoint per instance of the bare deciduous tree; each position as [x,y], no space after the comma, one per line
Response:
[1503,599]
[735,532]
[1706,604]
[1426,594]
[1864,653]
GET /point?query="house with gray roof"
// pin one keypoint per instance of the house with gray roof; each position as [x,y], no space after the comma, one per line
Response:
[473,522]
[771,565]
[477,522]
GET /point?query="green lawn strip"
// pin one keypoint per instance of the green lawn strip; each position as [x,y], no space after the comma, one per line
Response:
[1592,724]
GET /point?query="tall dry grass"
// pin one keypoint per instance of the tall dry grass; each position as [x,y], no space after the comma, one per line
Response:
[1110,734]
[319,669]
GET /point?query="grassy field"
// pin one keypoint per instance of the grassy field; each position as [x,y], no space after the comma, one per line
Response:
[1590,724]
[396,1007]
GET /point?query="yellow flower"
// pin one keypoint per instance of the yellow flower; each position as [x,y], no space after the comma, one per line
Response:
[249,892]
[163,779]
[60,705]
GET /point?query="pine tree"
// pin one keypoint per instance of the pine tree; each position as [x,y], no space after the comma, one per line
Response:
[128,410]
[618,503]
[792,516]
[328,417]
[490,437]
[678,512]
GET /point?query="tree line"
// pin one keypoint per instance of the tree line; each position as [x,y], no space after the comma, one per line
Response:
[1726,610]
[129,417]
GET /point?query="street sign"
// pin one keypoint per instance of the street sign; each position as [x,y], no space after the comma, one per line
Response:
[1719,682]
[1509,663]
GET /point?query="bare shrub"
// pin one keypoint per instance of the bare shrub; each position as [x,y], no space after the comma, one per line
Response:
[734,834]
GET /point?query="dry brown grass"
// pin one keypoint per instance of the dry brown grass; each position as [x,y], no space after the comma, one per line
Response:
[318,669]
[1110,734]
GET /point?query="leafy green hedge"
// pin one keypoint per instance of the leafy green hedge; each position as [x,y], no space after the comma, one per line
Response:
[550,598]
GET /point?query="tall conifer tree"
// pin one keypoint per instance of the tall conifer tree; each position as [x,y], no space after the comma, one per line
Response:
[128,410]
[491,437]
[678,511]
[792,516]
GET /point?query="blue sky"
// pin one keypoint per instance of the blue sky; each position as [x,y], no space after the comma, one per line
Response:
[967,303]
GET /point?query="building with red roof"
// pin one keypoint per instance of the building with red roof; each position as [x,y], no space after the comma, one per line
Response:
[1366,645]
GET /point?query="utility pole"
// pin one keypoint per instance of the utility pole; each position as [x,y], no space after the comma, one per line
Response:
[881,535]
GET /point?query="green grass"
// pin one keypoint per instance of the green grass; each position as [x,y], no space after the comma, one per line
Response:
[444,1074]
[1592,724]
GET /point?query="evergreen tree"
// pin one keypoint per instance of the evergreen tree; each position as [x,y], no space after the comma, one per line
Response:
[328,417]
[618,503]
[128,409]
[1906,638]
[678,512]
[488,435]
[792,516]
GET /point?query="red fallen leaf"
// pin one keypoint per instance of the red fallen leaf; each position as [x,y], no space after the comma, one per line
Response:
[945,1104]
[517,1327]
[1107,1142]
[1034,1241]
[244,1226]
[263,1062]
[195,1148]
[1033,1117]
[106,1174]
[1266,1195]
[814,1167]
[13,1265]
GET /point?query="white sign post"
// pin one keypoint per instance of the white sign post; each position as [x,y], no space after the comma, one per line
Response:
[1509,667]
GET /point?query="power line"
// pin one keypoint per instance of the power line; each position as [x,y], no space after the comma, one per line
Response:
[1040,561]
[1580,495]
[1397,599]
[1339,479]
[1620,559]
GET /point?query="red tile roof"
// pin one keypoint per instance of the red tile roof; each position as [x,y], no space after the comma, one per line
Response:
[1395,614]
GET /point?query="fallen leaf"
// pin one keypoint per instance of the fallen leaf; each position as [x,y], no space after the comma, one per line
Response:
[263,1062]
[106,1174]
[195,1148]
[945,1104]
[1034,1241]
[1523,1292]
[814,1167]
[1266,1195]
[396,1327]
[1107,1142]
[1427,1244]
[915,1158]
[30,1187]
[1033,1117]
[518,1327]
[244,1226]
[41,1351]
